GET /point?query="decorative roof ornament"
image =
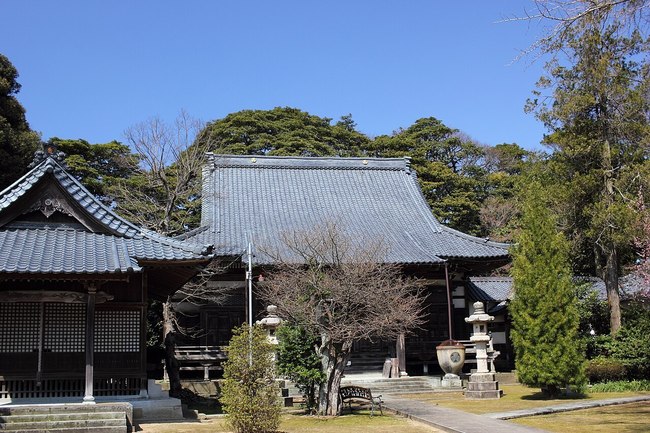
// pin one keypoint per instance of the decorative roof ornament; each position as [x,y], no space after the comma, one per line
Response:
[50,150]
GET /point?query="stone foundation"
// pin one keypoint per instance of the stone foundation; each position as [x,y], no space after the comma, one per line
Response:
[483,385]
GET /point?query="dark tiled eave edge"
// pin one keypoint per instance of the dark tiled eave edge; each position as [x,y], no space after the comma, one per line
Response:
[490,288]
[504,253]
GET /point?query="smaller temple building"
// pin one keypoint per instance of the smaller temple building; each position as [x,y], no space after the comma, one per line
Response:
[75,280]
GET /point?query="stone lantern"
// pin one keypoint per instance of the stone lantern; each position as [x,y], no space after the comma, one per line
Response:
[481,383]
[270,323]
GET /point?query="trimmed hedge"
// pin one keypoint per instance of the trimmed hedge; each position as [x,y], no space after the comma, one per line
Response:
[603,369]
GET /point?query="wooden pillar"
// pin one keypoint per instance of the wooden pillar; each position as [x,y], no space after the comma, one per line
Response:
[450,309]
[144,297]
[90,344]
[401,354]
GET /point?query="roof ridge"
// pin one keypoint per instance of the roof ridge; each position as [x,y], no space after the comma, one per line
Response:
[310,162]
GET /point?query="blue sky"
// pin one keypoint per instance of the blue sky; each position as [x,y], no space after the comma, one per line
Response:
[90,69]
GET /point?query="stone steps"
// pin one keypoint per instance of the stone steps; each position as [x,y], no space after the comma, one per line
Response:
[69,430]
[364,362]
[404,385]
[109,418]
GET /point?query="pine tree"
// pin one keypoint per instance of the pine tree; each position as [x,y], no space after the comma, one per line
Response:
[548,352]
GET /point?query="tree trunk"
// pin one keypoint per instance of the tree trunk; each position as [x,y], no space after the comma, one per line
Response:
[611,284]
[611,270]
[171,362]
[334,358]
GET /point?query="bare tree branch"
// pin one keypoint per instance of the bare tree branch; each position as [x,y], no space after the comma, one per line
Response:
[167,180]
[340,289]
[565,18]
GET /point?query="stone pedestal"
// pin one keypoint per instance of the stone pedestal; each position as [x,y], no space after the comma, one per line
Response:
[483,385]
[451,381]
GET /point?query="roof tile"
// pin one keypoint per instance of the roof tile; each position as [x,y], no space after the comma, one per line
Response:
[261,197]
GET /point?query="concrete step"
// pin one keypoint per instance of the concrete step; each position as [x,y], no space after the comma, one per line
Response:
[69,424]
[62,416]
[76,430]
[35,409]
[100,418]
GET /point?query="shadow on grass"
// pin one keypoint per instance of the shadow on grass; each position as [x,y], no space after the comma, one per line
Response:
[205,405]
[541,395]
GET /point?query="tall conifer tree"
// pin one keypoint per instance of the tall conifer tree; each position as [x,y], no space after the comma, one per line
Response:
[594,102]
[545,317]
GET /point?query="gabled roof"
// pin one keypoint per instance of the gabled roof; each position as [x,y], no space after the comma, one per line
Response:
[262,197]
[94,240]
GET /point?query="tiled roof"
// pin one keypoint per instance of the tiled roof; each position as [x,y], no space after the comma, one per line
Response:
[48,248]
[500,288]
[64,251]
[629,285]
[490,289]
[77,192]
[372,199]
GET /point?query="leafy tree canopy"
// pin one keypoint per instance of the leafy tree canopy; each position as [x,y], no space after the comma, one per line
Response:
[598,117]
[448,168]
[97,166]
[283,131]
[17,141]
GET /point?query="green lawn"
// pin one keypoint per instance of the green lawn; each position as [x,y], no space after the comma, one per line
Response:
[514,397]
[628,418]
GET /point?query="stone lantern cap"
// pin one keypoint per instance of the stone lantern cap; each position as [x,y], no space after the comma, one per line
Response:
[271,321]
[479,314]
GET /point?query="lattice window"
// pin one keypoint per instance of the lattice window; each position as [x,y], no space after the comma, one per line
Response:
[117,331]
[19,327]
[65,327]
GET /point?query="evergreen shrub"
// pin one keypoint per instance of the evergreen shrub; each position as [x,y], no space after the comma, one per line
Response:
[298,361]
[249,393]
[603,369]
[631,346]
[548,351]
[622,386]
